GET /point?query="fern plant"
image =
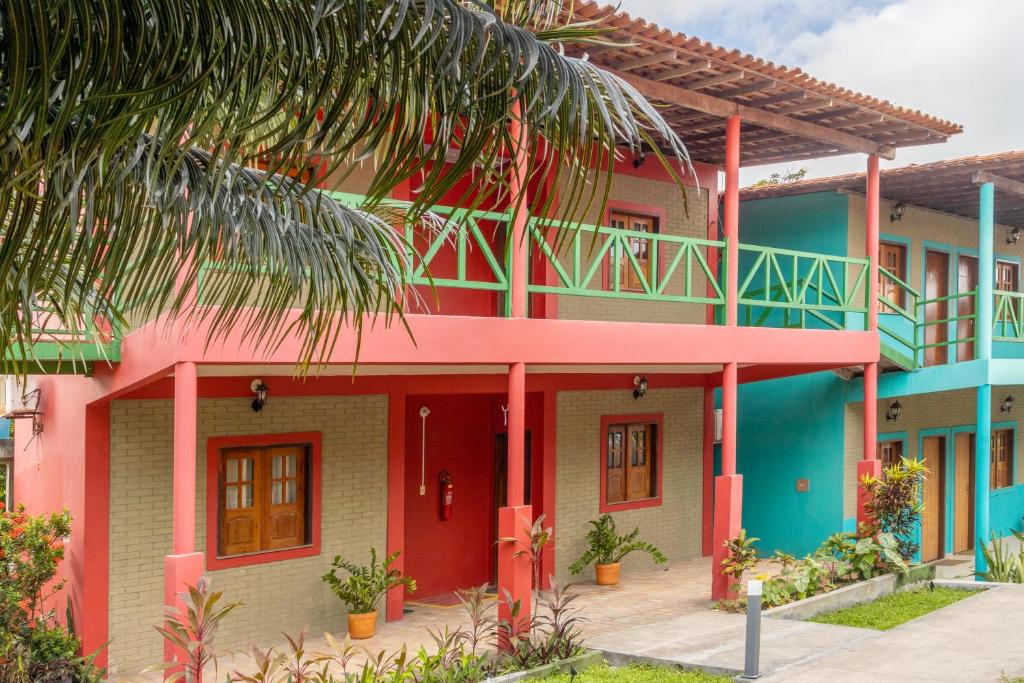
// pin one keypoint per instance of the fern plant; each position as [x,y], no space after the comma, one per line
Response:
[1004,565]
[608,547]
[365,585]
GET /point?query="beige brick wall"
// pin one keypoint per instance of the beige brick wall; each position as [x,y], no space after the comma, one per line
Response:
[922,412]
[919,225]
[675,526]
[686,220]
[283,596]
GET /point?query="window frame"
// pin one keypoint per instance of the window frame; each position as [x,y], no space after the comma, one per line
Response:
[656,419]
[214,446]
[1011,456]
[904,249]
[655,213]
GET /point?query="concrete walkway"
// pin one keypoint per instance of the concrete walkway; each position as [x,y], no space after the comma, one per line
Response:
[977,639]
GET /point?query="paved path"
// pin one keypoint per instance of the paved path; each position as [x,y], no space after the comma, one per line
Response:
[977,639]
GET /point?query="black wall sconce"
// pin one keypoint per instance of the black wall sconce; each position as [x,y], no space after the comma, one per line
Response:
[1007,405]
[1014,236]
[894,411]
[639,386]
[897,212]
[260,389]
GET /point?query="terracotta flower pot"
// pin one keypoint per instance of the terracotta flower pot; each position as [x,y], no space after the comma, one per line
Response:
[607,574]
[362,626]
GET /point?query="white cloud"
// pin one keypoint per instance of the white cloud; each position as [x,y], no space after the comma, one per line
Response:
[953,59]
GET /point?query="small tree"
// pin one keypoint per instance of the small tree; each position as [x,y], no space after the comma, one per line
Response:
[894,503]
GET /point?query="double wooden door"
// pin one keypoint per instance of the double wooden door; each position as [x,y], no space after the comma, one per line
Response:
[963,492]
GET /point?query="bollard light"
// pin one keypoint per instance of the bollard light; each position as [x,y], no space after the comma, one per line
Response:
[752,659]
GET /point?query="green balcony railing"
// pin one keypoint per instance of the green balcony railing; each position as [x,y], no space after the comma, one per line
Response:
[1008,316]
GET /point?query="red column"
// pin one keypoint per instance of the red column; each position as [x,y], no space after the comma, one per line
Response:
[184,566]
[870,464]
[728,518]
[708,478]
[515,518]
[728,505]
[184,486]
[517,189]
[549,469]
[396,497]
[732,216]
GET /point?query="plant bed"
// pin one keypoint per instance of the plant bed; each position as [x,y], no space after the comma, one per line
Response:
[888,611]
[850,594]
[551,671]
[639,673]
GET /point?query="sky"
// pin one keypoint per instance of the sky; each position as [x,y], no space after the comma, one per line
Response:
[958,60]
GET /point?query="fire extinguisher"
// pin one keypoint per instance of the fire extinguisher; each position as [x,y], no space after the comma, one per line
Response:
[447,487]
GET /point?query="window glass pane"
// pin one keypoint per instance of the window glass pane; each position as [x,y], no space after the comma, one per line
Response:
[289,496]
[277,466]
[246,490]
[231,498]
[289,466]
[232,467]
[275,497]
[247,466]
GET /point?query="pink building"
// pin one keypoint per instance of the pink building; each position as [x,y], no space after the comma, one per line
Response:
[517,382]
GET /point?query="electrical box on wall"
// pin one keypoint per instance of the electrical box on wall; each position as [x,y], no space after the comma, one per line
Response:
[803,485]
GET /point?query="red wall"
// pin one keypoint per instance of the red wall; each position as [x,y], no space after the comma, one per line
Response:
[444,556]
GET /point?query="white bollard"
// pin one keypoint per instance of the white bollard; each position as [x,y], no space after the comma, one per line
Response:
[752,660]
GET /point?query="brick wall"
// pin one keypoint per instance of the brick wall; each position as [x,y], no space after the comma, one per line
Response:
[922,412]
[675,526]
[279,596]
[690,221]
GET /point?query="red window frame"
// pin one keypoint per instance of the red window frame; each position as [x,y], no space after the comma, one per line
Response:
[214,445]
[658,420]
[658,213]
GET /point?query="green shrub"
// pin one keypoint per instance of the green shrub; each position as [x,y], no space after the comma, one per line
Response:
[894,503]
[1003,564]
[606,546]
[365,585]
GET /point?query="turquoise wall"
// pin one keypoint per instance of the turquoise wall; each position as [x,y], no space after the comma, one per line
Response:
[1005,508]
[814,223]
[791,429]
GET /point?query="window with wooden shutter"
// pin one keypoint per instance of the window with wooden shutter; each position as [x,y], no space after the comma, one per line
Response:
[1001,466]
[632,276]
[893,258]
[264,499]
[1006,276]
[631,462]
[890,452]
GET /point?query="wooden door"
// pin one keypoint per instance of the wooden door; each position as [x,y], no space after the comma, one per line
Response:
[963,492]
[240,530]
[892,257]
[639,484]
[936,286]
[966,281]
[616,466]
[286,511]
[933,449]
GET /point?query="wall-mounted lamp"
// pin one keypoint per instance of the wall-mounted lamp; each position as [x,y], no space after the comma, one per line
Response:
[1014,236]
[1007,405]
[897,212]
[260,389]
[894,411]
[639,386]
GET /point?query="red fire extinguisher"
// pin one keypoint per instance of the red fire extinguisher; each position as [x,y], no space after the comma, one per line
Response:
[447,487]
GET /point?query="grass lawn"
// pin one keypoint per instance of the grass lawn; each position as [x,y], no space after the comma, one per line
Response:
[638,674]
[892,610]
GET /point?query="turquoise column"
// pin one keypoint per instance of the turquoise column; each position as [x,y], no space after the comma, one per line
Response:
[983,350]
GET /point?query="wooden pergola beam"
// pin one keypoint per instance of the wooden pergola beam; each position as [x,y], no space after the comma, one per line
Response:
[646,60]
[1007,185]
[685,70]
[717,106]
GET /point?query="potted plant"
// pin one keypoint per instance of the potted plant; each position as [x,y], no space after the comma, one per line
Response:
[363,587]
[607,549]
